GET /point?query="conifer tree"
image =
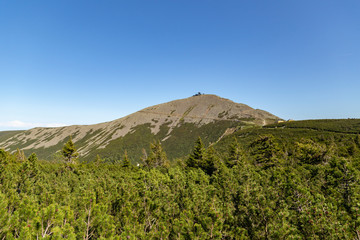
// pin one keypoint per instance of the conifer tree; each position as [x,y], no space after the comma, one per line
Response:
[157,156]
[126,161]
[210,162]
[33,165]
[28,172]
[197,156]
[265,151]
[69,152]
[235,154]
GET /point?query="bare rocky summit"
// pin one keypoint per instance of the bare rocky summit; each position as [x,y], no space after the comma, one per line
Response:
[160,119]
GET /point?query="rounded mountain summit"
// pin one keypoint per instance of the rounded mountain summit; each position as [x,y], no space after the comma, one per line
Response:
[176,124]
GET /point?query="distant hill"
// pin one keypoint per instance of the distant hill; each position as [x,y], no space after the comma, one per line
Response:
[176,124]
[331,132]
[331,125]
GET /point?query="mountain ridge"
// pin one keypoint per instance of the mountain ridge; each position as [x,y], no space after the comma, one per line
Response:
[161,119]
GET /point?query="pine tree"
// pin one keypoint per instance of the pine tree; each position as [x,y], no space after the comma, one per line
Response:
[126,162]
[157,156]
[197,156]
[28,172]
[235,154]
[265,151]
[33,165]
[211,162]
[69,152]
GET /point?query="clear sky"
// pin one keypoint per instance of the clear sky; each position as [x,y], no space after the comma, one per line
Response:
[84,62]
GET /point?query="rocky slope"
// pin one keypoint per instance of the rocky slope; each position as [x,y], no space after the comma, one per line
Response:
[176,124]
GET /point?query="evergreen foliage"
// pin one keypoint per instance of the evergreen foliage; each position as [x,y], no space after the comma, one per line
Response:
[126,162]
[157,156]
[235,154]
[271,188]
[265,151]
[196,158]
[311,152]
[211,162]
[69,152]
[331,125]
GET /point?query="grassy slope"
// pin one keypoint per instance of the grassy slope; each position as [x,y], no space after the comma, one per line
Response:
[341,131]
[45,153]
[179,144]
[8,134]
[332,125]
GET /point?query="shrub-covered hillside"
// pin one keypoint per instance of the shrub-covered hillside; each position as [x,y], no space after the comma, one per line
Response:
[332,125]
[278,184]
[337,134]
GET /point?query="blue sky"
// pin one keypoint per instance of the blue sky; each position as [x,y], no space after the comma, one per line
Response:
[84,62]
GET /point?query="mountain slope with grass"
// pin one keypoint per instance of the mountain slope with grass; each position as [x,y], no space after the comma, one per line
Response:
[337,135]
[176,124]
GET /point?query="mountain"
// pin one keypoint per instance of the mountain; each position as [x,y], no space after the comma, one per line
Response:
[176,124]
